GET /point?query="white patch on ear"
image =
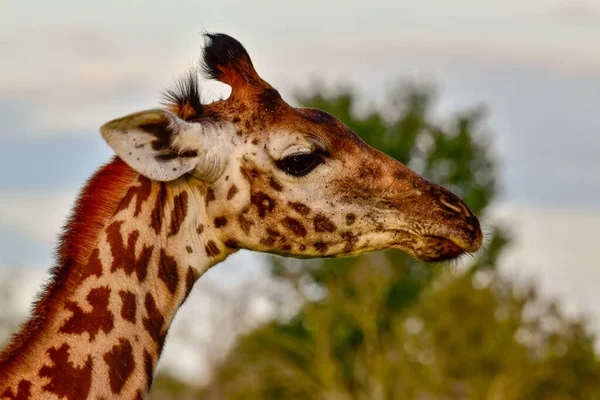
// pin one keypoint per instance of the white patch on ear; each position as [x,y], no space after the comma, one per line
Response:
[156,143]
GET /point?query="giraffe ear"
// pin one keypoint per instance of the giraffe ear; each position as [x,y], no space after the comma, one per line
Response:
[156,143]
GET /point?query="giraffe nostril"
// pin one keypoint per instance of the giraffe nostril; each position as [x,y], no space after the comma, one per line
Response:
[455,205]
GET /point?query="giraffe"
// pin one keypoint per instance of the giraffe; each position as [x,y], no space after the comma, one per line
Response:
[189,185]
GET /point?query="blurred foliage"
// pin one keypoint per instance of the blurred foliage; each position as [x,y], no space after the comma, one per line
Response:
[385,326]
[469,337]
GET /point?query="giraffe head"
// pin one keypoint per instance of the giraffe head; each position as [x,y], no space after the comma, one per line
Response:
[286,180]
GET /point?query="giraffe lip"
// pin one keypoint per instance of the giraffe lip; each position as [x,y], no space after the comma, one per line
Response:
[433,248]
[448,240]
[452,247]
[465,246]
[445,249]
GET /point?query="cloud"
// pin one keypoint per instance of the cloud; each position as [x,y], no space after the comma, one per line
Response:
[78,79]
[578,12]
[76,75]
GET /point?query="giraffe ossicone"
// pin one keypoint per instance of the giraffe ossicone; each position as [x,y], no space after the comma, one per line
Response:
[192,183]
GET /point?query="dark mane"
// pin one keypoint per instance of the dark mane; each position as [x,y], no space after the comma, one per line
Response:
[96,203]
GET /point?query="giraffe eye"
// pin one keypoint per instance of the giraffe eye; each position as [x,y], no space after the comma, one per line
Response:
[300,164]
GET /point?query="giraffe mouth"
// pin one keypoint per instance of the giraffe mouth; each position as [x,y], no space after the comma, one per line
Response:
[431,248]
[425,247]
[441,249]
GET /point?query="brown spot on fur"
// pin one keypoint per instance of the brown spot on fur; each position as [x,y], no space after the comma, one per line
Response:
[220,222]
[294,226]
[302,247]
[244,172]
[272,238]
[154,322]
[350,218]
[254,141]
[67,381]
[269,241]
[249,174]
[128,306]
[200,229]
[124,257]
[189,249]
[99,319]
[233,190]
[263,203]
[179,212]
[402,174]
[286,247]
[190,278]
[369,172]
[272,232]
[167,271]
[244,222]
[158,214]
[149,367]
[321,247]
[231,244]
[23,392]
[323,224]
[140,192]
[351,241]
[93,267]
[211,248]
[300,208]
[210,195]
[120,365]
[275,184]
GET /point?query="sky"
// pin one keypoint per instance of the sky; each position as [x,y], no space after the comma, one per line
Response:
[67,67]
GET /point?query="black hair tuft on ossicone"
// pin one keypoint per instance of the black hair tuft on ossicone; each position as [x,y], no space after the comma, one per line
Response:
[226,60]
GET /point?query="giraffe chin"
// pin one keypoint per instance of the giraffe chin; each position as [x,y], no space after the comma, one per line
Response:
[426,248]
[435,249]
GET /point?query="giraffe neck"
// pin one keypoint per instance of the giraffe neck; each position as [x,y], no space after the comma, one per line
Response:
[99,328]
